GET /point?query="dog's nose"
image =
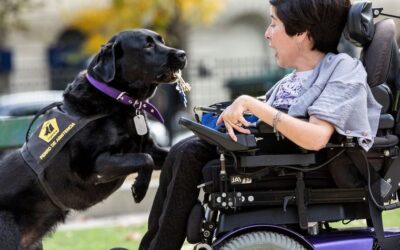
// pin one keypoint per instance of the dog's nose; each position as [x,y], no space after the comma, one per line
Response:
[181,55]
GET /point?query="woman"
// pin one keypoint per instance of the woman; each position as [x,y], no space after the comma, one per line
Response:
[327,87]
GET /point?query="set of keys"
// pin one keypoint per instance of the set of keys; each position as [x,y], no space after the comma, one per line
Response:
[182,87]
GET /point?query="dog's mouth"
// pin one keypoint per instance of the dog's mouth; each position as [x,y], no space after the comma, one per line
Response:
[176,77]
[168,77]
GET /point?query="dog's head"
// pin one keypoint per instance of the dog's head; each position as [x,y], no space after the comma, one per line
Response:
[135,60]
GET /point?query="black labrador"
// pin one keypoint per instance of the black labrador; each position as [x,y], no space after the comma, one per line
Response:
[96,160]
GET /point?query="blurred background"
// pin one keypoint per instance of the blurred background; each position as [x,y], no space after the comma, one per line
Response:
[45,43]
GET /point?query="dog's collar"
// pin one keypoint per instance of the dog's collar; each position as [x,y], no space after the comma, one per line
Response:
[122,97]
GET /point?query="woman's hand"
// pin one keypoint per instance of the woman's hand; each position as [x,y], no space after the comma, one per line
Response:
[233,117]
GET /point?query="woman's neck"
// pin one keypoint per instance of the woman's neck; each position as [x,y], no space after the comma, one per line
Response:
[309,61]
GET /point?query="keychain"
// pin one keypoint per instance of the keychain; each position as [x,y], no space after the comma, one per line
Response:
[182,87]
[140,123]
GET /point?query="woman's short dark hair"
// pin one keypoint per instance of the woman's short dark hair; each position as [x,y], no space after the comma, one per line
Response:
[323,19]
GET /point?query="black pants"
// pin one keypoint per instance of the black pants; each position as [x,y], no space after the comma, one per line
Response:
[176,195]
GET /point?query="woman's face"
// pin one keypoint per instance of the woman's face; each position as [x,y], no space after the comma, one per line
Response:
[286,47]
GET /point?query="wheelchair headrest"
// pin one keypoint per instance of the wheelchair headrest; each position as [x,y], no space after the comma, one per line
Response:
[381,57]
[359,28]
[380,54]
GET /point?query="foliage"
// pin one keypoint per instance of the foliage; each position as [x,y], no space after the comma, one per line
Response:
[10,11]
[160,15]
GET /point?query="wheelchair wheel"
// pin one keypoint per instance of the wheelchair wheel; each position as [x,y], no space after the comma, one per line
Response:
[262,240]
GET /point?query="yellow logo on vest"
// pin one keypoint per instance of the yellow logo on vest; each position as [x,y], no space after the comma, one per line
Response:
[49,130]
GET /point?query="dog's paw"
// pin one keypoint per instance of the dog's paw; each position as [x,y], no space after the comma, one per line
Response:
[139,190]
[141,184]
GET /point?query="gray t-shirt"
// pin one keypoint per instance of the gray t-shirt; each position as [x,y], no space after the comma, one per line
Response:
[337,92]
[290,88]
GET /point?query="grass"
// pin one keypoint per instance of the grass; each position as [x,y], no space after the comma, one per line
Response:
[390,219]
[129,237]
[96,238]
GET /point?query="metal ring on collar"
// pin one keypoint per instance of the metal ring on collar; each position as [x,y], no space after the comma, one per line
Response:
[136,103]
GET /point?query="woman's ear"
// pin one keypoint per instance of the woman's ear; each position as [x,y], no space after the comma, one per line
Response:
[301,37]
[304,38]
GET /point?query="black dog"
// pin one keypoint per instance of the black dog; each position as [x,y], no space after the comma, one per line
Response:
[96,160]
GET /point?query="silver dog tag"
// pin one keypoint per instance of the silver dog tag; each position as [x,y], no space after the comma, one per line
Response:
[140,124]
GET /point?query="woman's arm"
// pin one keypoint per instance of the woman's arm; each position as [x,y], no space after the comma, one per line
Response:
[312,135]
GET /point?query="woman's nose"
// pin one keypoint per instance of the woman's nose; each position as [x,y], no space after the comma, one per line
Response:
[267,34]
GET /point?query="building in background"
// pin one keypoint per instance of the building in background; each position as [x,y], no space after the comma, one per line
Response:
[45,24]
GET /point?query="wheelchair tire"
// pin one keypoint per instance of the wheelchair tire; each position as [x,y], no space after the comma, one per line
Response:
[262,240]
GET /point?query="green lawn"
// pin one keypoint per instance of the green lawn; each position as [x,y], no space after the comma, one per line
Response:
[129,237]
[96,238]
[392,218]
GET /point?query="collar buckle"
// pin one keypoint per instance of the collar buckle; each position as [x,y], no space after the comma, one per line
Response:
[120,97]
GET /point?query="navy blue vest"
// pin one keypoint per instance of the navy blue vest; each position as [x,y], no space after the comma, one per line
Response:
[55,130]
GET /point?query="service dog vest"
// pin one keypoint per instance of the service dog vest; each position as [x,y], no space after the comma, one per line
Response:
[56,129]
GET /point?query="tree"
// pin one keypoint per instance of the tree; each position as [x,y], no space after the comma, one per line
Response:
[10,11]
[171,18]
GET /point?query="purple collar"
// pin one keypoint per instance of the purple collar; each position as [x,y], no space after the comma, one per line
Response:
[122,97]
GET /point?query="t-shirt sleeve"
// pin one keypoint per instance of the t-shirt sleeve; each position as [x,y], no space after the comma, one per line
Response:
[344,96]
[340,102]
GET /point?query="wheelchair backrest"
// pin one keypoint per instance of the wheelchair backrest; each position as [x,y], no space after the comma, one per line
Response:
[381,57]
[380,53]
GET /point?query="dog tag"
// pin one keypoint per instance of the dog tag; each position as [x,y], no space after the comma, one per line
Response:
[140,124]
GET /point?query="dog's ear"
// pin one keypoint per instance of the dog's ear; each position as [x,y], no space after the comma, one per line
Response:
[104,64]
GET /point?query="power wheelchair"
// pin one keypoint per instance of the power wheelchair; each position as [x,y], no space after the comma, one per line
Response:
[287,200]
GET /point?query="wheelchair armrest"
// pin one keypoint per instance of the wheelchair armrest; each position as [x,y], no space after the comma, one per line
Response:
[386,121]
[244,143]
[264,128]
[278,160]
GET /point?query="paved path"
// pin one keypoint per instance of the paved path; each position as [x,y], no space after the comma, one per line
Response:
[122,220]
[82,222]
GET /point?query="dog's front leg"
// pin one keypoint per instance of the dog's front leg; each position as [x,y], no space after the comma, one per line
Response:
[110,167]
[10,237]
[157,153]
[36,246]
[141,185]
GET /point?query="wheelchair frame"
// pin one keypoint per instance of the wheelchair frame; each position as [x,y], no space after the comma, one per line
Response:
[310,208]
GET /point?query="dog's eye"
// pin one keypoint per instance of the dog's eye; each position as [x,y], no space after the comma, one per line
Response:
[149,45]
[162,40]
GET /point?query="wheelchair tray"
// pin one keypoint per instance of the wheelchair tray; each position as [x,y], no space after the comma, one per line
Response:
[244,142]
